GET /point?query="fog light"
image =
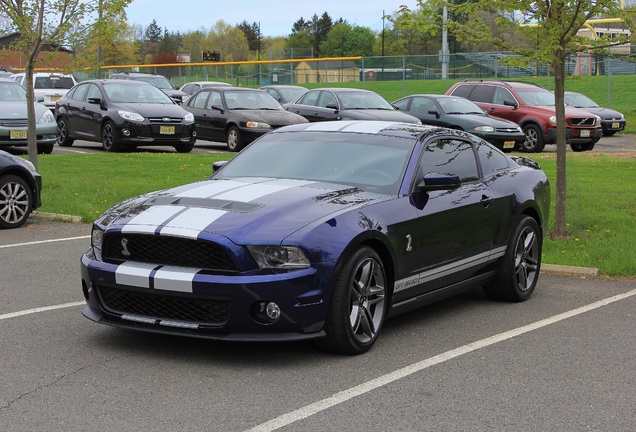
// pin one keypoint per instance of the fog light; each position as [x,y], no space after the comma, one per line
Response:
[194,134]
[266,312]
[126,132]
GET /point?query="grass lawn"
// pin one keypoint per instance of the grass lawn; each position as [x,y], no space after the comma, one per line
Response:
[601,197]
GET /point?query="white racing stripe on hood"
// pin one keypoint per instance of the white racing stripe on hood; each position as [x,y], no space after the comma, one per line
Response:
[175,279]
[134,274]
[255,191]
[211,188]
[148,220]
[191,222]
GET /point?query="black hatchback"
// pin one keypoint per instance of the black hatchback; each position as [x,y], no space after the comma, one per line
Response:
[123,114]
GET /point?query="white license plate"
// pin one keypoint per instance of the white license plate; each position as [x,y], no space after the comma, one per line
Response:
[18,134]
[616,125]
[509,144]
[166,130]
[56,97]
[585,133]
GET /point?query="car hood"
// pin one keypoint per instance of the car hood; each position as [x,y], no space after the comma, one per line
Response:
[244,210]
[570,111]
[484,119]
[18,110]
[154,110]
[371,114]
[604,113]
[274,118]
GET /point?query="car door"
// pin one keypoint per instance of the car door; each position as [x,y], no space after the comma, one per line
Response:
[327,107]
[198,106]
[421,107]
[70,109]
[306,106]
[91,112]
[454,233]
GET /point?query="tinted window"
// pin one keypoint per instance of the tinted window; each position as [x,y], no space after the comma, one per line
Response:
[501,95]
[482,93]
[450,157]
[198,101]
[402,104]
[79,93]
[492,160]
[327,98]
[93,92]
[310,98]
[463,91]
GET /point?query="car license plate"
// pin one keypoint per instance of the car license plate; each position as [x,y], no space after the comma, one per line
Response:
[18,134]
[585,133]
[616,125]
[55,97]
[166,130]
[509,144]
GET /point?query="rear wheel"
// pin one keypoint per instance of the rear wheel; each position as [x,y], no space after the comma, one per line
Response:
[519,269]
[109,137]
[15,201]
[358,304]
[63,138]
[233,139]
[534,139]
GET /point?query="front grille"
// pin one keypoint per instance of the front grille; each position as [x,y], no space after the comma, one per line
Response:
[166,250]
[160,120]
[507,130]
[164,306]
[583,121]
[14,123]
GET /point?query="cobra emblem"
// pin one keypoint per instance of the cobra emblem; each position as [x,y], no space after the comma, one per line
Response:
[124,247]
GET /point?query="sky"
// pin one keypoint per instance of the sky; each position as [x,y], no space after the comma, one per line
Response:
[276,17]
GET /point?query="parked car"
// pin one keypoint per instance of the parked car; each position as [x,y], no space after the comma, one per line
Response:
[321,231]
[531,107]
[192,87]
[159,81]
[14,119]
[459,113]
[20,187]
[237,115]
[346,104]
[50,85]
[612,121]
[285,94]
[123,114]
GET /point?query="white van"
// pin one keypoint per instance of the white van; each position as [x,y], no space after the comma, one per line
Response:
[50,85]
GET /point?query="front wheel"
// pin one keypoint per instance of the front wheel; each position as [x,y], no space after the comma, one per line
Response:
[233,139]
[16,201]
[184,148]
[110,142]
[358,304]
[534,139]
[582,147]
[519,269]
[45,148]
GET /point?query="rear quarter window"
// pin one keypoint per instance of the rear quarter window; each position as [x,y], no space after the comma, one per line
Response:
[463,90]
[482,93]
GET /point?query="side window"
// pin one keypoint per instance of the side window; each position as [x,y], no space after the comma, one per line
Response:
[482,93]
[310,98]
[492,160]
[199,100]
[93,92]
[450,156]
[402,104]
[422,105]
[214,100]
[188,88]
[327,98]
[80,93]
[463,90]
[501,95]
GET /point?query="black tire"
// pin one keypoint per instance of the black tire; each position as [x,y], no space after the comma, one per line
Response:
[184,148]
[16,201]
[45,148]
[63,138]
[534,142]
[519,269]
[233,139]
[358,304]
[609,133]
[582,147]
[109,137]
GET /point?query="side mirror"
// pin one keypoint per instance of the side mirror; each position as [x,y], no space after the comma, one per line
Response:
[511,103]
[332,106]
[218,165]
[434,112]
[439,181]
[94,100]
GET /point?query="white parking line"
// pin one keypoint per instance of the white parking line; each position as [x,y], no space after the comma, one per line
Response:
[40,309]
[345,395]
[43,241]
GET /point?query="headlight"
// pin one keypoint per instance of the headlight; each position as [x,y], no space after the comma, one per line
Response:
[47,117]
[189,118]
[279,257]
[485,129]
[552,121]
[97,235]
[131,116]
[253,124]
[598,121]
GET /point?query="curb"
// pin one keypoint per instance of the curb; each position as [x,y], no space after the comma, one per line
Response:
[553,269]
[56,217]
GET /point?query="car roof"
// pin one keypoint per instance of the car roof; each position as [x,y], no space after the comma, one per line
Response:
[118,82]
[372,127]
[344,90]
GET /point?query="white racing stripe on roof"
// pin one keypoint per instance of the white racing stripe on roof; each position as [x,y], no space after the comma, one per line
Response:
[326,126]
[191,222]
[134,274]
[148,220]
[369,126]
[174,279]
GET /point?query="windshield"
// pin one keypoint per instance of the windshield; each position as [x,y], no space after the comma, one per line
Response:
[291,93]
[457,105]
[371,162]
[135,93]
[536,97]
[251,100]
[158,81]
[12,91]
[579,101]
[363,100]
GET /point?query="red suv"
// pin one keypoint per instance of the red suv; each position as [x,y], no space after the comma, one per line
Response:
[531,107]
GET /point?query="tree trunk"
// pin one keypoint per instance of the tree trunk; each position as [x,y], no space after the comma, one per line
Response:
[559,230]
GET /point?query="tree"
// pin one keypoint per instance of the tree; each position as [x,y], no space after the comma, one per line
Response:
[253,34]
[346,41]
[548,34]
[229,41]
[56,23]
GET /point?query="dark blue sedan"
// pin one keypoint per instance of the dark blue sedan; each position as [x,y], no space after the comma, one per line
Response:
[321,231]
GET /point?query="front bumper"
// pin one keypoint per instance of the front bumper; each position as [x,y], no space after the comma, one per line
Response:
[185,302]
[576,136]
[150,134]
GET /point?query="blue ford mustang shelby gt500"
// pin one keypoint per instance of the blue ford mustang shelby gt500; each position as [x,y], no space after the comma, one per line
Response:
[321,230]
